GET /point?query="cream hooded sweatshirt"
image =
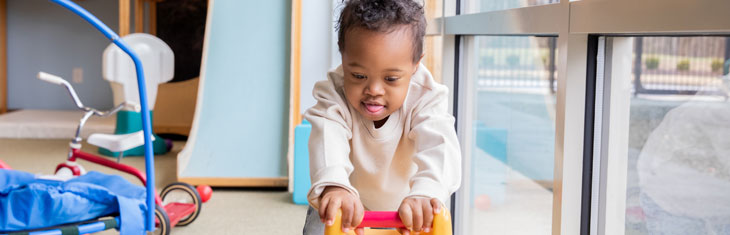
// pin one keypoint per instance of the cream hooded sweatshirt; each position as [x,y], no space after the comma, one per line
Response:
[415,153]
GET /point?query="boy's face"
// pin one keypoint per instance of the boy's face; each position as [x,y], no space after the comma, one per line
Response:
[378,68]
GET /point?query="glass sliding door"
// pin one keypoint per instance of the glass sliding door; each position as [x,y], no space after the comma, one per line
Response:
[511,81]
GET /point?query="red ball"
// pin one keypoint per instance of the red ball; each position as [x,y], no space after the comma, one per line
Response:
[205,192]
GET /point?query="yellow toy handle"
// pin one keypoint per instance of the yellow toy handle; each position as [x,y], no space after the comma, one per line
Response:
[390,219]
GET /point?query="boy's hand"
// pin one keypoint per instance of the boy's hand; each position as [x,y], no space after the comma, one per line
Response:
[417,213]
[334,198]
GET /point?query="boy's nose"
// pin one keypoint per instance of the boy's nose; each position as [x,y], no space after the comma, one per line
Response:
[374,89]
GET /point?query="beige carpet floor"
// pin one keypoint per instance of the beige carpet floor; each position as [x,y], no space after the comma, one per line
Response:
[229,211]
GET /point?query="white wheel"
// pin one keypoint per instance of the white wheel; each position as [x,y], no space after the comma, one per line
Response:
[64,173]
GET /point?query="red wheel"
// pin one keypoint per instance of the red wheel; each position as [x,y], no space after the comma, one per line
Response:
[69,169]
[3,165]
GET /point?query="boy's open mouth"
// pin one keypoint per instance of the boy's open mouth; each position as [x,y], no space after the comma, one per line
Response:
[373,108]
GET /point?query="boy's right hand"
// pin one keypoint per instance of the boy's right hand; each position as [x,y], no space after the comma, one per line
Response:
[334,198]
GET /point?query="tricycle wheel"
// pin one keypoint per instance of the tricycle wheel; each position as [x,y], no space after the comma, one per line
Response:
[182,193]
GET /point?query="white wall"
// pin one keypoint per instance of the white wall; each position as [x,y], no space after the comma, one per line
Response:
[45,36]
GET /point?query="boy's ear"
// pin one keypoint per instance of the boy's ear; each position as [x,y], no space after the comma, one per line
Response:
[415,68]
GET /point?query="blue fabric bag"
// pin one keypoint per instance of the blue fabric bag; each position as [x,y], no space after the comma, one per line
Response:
[28,202]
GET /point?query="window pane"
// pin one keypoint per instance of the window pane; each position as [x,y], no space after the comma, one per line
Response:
[476,6]
[512,163]
[679,137]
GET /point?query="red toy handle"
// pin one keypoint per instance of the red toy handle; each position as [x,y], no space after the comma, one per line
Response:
[390,219]
[381,219]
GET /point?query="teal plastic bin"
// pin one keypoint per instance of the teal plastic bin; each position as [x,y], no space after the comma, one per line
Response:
[302,182]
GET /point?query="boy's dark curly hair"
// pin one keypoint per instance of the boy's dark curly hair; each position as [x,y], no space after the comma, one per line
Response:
[383,16]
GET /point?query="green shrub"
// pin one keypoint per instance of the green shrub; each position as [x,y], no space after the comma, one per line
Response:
[487,61]
[683,65]
[652,63]
[716,65]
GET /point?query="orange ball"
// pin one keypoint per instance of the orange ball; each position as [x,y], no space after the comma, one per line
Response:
[483,202]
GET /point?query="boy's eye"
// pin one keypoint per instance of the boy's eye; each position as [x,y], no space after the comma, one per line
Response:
[391,79]
[359,76]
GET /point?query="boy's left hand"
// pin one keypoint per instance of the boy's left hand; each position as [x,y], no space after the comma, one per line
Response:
[417,213]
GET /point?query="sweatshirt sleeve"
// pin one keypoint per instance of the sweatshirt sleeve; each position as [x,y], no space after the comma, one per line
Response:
[437,150]
[329,141]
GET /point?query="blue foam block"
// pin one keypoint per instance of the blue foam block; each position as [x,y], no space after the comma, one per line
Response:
[302,181]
